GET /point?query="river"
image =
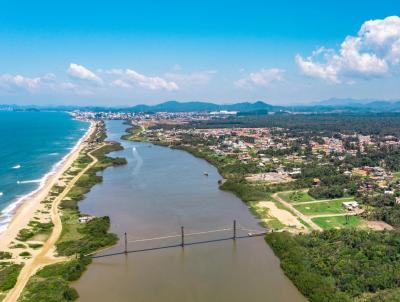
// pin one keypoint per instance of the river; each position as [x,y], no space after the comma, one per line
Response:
[157,192]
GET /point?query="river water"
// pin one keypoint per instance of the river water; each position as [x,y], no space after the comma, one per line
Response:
[156,193]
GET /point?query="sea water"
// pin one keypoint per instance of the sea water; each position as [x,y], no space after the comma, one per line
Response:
[32,143]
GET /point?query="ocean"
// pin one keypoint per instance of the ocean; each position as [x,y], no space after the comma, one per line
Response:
[31,145]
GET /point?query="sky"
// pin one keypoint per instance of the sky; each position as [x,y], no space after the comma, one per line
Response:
[133,52]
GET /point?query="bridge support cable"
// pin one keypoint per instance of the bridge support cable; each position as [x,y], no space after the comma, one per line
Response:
[234,229]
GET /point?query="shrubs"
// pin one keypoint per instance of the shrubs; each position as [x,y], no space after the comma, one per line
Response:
[35,227]
[25,234]
[327,192]
[52,289]
[106,161]
[95,232]
[5,255]
[339,265]
[247,192]
[35,245]
[314,286]
[69,271]
[18,246]
[94,236]
[25,254]
[89,179]
[8,275]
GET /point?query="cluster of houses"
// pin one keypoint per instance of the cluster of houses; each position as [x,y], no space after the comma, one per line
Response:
[247,145]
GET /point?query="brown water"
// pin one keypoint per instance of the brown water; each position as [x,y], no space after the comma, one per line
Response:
[158,191]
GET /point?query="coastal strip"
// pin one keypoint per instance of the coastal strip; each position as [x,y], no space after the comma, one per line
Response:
[25,208]
[54,235]
[13,211]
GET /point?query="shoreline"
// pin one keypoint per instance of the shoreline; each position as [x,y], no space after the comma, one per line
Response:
[66,258]
[23,209]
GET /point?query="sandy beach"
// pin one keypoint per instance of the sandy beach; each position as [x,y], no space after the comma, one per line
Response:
[31,206]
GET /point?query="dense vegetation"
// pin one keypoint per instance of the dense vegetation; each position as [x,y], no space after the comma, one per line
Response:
[8,275]
[50,284]
[327,124]
[381,207]
[5,255]
[94,236]
[35,228]
[340,265]
[90,178]
[131,131]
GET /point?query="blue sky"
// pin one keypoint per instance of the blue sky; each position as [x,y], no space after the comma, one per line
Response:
[130,52]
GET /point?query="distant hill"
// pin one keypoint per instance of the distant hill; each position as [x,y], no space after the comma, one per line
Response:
[333,105]
[364,103]
[174,106]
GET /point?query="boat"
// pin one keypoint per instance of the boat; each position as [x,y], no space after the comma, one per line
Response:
[205,173]
[256,234]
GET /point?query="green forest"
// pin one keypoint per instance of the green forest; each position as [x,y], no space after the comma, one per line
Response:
[341,265]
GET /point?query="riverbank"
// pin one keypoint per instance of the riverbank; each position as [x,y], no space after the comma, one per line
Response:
[36,244]
[147,206]
[235,182]
[341,263]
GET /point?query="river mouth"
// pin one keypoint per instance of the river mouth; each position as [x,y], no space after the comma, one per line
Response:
[157,192]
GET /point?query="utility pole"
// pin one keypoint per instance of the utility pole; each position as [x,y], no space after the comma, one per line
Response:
[234,229]
[126,244]
[182,237]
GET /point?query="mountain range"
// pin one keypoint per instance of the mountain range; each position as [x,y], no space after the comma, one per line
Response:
[329,105]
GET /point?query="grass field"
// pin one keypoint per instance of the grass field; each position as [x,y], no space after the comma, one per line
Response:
[269,221]
[295,196]
[333,206]
[337,222]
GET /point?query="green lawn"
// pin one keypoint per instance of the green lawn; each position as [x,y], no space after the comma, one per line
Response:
[333,206]
[296,196]
[337,222]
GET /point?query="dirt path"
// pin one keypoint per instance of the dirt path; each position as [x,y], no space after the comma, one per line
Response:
[334,215]
[285,217]
[305,218]
[321,200]
[46,254]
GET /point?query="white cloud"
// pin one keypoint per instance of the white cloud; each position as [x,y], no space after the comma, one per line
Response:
[199,77]
[373,53]
[128,78]
[16,82]
[263,77]
[121,83]
[82,73]
[47,83]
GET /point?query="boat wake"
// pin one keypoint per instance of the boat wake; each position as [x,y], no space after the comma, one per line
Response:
[29,181]
[139,161]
